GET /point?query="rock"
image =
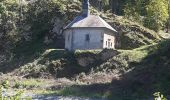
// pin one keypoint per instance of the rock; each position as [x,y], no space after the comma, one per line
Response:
[85,61]
[108,53]
[1,73]
[64,81]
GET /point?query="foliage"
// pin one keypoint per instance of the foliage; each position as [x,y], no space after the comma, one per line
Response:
[159,96]
[157,14]
[6,96]
[8,24]
[132,10]
[131,35]
[41,16]
[151,13]
[26,84]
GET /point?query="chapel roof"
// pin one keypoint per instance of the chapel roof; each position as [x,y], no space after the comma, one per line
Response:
[91,21]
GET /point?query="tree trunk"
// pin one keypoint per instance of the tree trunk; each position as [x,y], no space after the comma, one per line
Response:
[114,6]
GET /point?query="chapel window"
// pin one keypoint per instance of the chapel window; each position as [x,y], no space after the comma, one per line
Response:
[87,37]
[109,43]
[68,37]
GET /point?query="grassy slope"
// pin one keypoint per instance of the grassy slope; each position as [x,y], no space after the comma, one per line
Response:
[149,75]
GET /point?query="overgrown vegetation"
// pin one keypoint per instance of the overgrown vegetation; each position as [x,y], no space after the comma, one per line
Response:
[5,93]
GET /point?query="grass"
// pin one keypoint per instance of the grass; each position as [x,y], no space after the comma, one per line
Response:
[73,91]
[149,75]
[138,54]
[58,61]
[146,61]
[127,59]
[28,83]
[77,52]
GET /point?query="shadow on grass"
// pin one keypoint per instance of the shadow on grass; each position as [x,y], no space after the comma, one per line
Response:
[95,91]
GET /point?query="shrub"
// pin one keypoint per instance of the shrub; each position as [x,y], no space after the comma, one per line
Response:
[6,96]
[159,96]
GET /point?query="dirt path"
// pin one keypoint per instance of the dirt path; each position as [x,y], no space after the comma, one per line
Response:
[53,97]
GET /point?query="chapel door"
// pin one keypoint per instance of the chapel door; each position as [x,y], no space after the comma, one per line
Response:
[109,43]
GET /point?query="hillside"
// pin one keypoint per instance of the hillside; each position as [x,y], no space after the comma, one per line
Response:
[149,75]
[38,62]
[132,35]
[118,74]
[41,36]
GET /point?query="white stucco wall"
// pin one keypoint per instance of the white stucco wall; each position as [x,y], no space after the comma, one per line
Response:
[108,41]
[95,39]
[76,39]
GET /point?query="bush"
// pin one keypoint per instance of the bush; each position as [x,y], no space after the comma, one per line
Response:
[159,96]
[5,95]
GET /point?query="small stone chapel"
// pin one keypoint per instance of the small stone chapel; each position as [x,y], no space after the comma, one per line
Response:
[88,32]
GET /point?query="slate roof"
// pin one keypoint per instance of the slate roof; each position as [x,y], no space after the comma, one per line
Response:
[89,21]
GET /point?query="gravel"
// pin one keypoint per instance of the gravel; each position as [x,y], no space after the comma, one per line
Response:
[53,97]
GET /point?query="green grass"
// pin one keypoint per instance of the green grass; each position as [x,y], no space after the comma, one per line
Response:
[97,51]
[73,91]
[53,60]
[127,59]
[28,83]
[150,74]
[138,54]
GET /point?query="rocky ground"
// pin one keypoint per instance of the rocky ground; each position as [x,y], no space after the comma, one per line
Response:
[52,89]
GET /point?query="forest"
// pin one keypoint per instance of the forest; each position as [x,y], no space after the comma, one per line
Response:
[150,13]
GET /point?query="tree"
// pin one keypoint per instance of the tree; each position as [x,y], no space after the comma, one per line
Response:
[8,23]
[157,14]
[133,9]
[41,15]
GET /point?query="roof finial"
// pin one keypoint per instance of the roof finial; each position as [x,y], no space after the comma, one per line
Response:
[85,6]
